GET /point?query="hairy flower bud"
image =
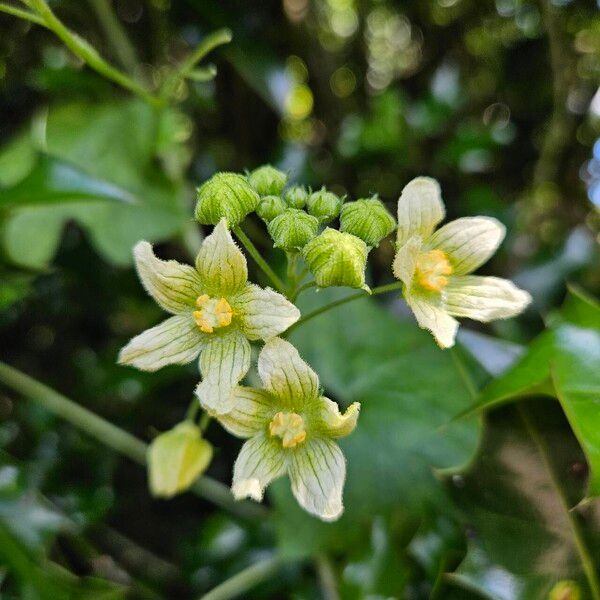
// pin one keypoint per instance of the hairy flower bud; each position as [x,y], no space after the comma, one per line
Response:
[296,196]
[292,229]
[270,207]
[267,180]
[226,195]
[324,205]
[367,219]
[176,458]
[337,259]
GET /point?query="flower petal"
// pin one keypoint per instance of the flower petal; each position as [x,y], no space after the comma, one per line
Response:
[263,313]
[223,363]
[469,242]
[221,264]
[251,412]
[286,375]
[332,422]
[174,286]
[484,298]
[176,341]
[317,473]
[260,461]
[420,209]
[405,262]
[431,315]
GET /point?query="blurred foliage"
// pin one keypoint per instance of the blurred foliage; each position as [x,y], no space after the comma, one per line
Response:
[497,100]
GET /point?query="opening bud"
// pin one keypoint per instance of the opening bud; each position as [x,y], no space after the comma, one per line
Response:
[296,196]
[270,207]
[292,229]
[267,180]
[324,205]
[367,219]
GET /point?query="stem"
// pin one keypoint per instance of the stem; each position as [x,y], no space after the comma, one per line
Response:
[88,53]
[112,436]
[260,261]
[383,289]
[22,14]
[244,580]
[303,287]
[192,411]
[205,420]
[327,578]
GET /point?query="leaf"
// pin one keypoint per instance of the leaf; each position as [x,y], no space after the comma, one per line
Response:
[563,362]
[408,388]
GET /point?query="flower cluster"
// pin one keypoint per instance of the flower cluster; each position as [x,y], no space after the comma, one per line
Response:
[289,426]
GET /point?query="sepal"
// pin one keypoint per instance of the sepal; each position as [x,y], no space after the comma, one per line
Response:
[367,219]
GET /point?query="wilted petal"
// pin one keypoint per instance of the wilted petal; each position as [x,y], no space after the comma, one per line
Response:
[286,375]
[260,461]
[332,422]
[405,261]
[221,264]
[485,298]
[174,286]
[430,315]
[251,412]
[317,473]
[176,341]
[468,242]
[420,209]
[263,313]
[223,363]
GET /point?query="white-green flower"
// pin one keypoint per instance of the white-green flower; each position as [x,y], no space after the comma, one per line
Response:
[290,428]
[216,312]
[435,266]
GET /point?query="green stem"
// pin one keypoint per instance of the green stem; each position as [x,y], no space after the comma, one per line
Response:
[22,14]
[260,261]
[205,420]
[88,53]
[383,289]
[112,436]
[192,411]
[244,580]
[303,287]
[327,578]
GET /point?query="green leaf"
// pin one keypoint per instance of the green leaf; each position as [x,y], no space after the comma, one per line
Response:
[408,388]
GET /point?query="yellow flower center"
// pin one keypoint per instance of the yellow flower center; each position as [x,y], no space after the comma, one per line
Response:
[212,314]
[289,427]
[432,270]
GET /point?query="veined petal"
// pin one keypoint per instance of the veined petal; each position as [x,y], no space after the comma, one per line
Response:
[420,209]
[286,375]
[224,361]
[221,264]
[332,422]
[263,313]
[317,473]
[176,341]
[405,262]
[469,242]
[174,286]
[430,315]
[252,410]
[484,298]
[260,461]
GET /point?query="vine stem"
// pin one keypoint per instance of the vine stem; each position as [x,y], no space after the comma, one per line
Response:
[260,261]
[112,436]
[244,580]
[382,289]
[303,287]
[22,14]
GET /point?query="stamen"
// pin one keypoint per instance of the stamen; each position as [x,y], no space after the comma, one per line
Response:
[213,313]
[432,270]
[289,427]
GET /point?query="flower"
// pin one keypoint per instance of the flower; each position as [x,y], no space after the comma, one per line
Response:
[435,266]
[216,312]
[290,428]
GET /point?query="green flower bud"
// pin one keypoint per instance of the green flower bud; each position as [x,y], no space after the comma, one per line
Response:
[337,259]
[267,180]
[270,207]
[292,229]
[324,205]
[226,195]
[367,219]
[565,590]
[296,196]
[176,458]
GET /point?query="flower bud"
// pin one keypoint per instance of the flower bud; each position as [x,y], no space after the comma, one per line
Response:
[176,458]
[226,195]
[324,205]
[270,207]
[292,229]
[296,196]
[367,219]
[565,590]
[337,259]
[267,180]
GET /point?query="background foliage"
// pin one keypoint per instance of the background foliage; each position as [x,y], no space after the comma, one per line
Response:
[499,101]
